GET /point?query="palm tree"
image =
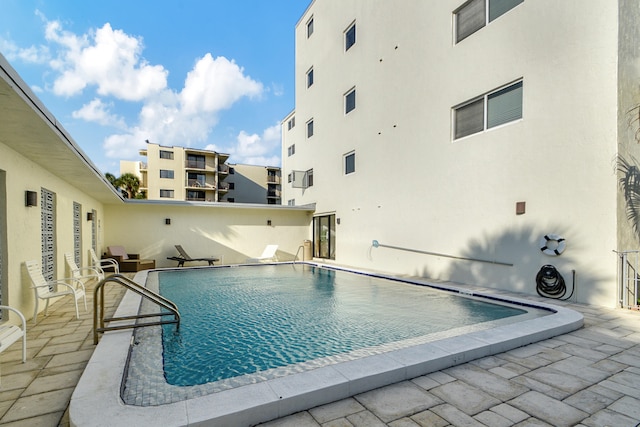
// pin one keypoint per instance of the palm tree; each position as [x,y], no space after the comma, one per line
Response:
[130,184]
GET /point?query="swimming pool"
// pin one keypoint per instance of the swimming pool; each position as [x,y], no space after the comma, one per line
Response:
[238,321]
[254,398]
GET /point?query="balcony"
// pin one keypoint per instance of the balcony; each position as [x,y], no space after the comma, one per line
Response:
[223,169]
[223,187]
[273,180]
[195,164]
[274,194]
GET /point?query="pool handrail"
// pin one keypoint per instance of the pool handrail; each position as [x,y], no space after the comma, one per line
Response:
[98,307]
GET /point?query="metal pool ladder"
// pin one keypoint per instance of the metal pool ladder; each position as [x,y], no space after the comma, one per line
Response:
[98,307]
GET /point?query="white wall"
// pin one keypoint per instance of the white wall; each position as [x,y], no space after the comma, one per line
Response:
[415,187]
[235,231]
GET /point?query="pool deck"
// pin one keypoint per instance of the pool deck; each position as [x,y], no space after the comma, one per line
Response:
[588,377]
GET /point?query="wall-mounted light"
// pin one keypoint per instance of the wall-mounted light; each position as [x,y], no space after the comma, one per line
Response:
[167,221]
[269,222]
[30,198]
[89,216]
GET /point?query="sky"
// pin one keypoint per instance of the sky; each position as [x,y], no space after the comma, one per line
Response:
[207,74]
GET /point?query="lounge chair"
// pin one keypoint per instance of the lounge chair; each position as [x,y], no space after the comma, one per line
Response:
[129,263]
[269,254]
[103,264]
[11,333]
[184,257]
[84,274]
[47,290]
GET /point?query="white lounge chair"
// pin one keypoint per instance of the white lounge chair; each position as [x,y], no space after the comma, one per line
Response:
[101,264]
[47,290]
[269,254]
[10,333]
[85,274]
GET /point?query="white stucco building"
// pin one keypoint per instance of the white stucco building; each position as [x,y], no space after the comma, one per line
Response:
[461,133]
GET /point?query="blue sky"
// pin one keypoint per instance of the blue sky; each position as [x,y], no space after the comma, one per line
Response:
[209,74]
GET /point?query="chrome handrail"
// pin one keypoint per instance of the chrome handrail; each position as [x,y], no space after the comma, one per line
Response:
[98,307]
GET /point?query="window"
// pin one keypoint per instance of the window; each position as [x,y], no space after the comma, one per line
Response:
[164,154]
[350,37]
[310,128]
[232,171]
[310,77]
[232,186]
[310,27]
[473,15]
[291,123]
[493,109]
[291,202]
[231,199]
[165,173]
[350,101]
[310,178]
[290,177]
[196,179]
[291,150]
[166,194]
[349,163]
[195,161]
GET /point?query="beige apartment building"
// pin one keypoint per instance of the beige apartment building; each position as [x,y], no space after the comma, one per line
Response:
[446,139]
[181,173]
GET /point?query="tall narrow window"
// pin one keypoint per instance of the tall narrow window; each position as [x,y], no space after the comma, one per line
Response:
[48,217]
[350,101]
[310,178]
[350,37]
[490,110]
[350,163]
[310,27]
[310,128]
[77,233]
[310,77]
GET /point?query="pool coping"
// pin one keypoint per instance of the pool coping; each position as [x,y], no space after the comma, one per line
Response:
[99,386]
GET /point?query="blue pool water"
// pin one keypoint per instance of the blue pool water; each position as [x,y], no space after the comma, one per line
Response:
[242,320]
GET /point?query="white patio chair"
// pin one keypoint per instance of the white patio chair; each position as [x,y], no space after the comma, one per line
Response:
[101,264]
[47,290]
[269,254]
[10,333]
[85,274]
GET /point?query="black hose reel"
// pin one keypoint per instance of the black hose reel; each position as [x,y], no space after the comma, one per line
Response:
[551,284]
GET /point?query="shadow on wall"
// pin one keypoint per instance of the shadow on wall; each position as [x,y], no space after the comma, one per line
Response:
[630,186]
[522,249]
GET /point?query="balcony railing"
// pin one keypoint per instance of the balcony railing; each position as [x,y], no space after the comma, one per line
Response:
[195,164]
[223,168]
[273,180]
[223,186]
[273,193]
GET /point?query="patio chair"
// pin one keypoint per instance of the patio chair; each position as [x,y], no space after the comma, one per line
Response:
[269,254]
[102,264]
[84,274]
[129,263]
[11,333]
[184,257]
[47,290]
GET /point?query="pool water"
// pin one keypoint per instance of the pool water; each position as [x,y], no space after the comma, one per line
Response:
[243,320]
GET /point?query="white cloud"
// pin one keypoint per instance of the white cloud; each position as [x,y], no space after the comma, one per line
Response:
[216,84]
[254,149]
[108,59]
[98,112]
[32,54]
[107,65]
